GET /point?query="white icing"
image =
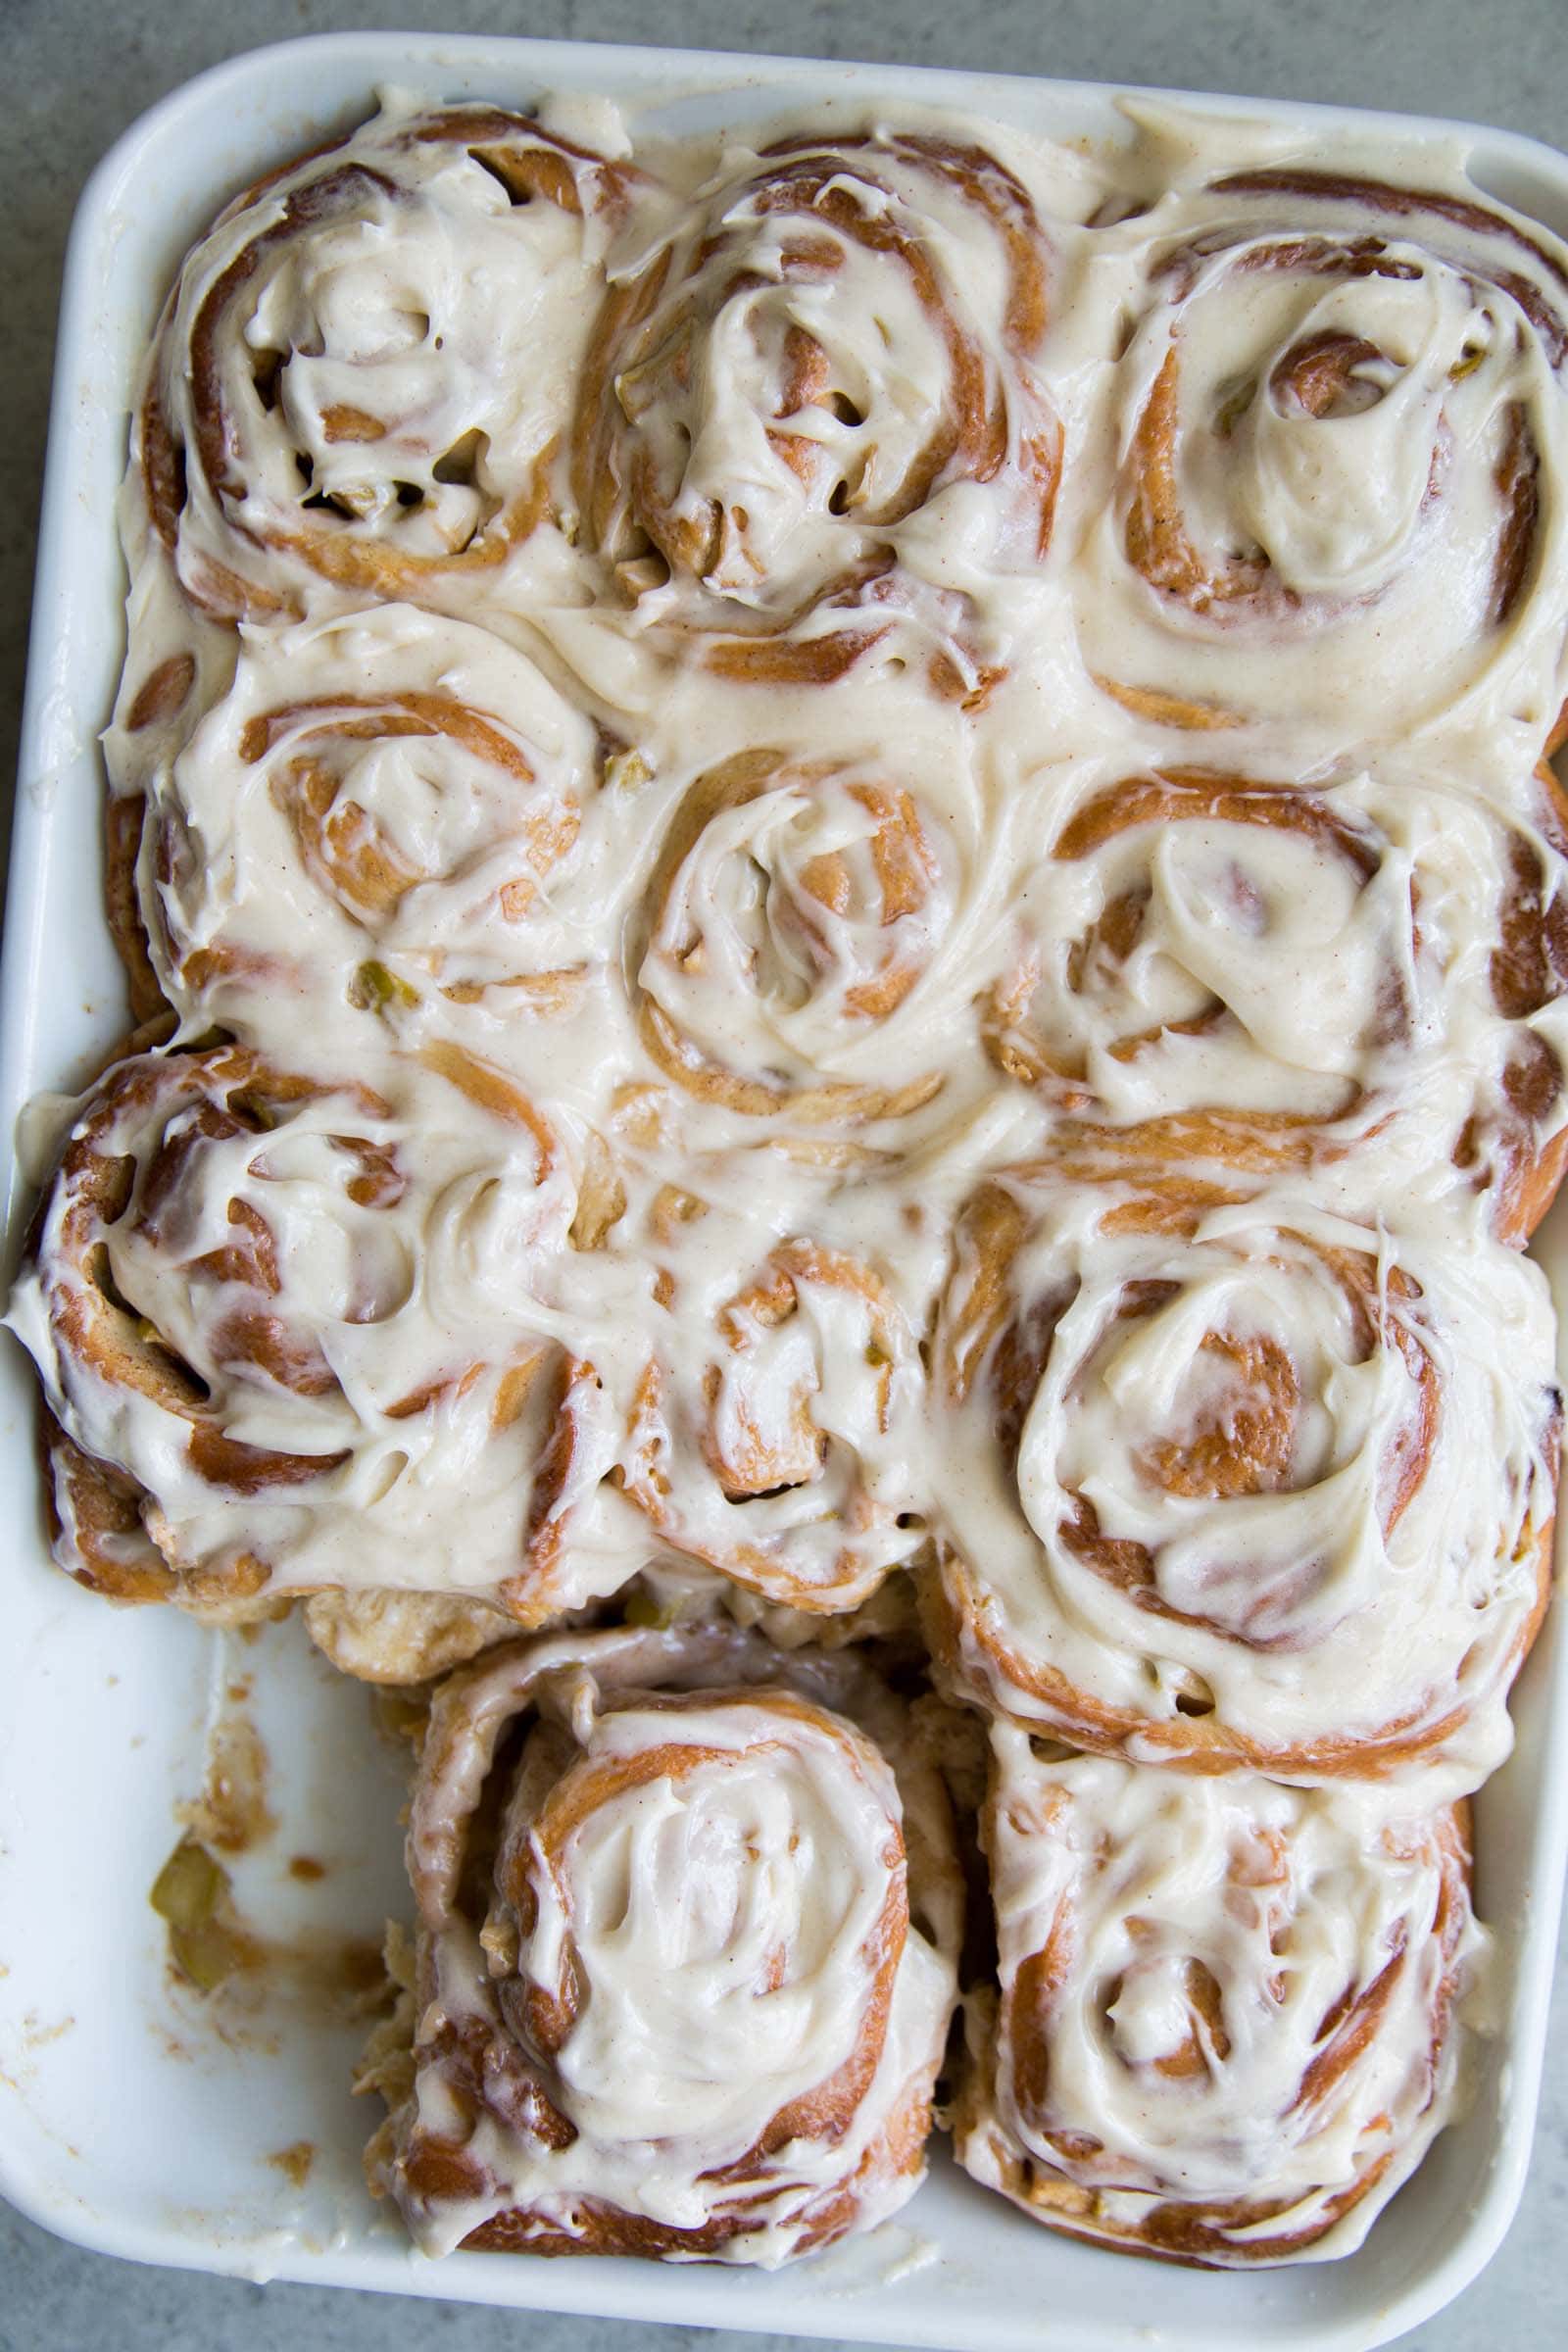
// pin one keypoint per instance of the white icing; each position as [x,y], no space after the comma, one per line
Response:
[1325,957]
[396,335]
[828,368]
[1304,1608]
[1324,545]
[729,1924]
[1294,1904]
[406,1339]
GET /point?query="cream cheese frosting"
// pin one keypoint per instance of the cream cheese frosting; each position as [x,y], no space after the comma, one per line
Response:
[722,965]
[367,363]
[1247,1993]
[723,1978]
[1275,1487]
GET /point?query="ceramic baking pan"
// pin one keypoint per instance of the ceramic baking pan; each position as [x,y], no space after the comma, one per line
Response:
[132,2118]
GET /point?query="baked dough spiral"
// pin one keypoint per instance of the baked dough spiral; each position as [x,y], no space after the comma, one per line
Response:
[367,363]
[379,813]
[809,927]
[1225,1483]
[287,1328]
[687,1915]
[1228,2025]
[1361,982]
[815,388]
[782,1455]
[1340,439]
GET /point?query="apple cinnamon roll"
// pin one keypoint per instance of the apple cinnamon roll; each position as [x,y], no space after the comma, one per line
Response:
[772,1439]
[1229,2014]
[815,387]
[294,1336]
[1226,1484]
[378,813]
[808,931]
[369,363]
[1339,439]
[1363,982]
[687,1921]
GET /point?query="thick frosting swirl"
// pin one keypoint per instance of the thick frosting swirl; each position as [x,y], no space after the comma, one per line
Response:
[1209,1480]
[285,1350]
[1364,981]
[368,363]
[1338,430]
[700,2004]
[809,925]
[380,806]
[1228,2022]
[816,385]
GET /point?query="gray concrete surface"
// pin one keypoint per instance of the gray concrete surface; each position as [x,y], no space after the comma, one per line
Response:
[76,72]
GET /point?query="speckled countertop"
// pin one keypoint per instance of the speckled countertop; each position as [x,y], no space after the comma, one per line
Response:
[77,72]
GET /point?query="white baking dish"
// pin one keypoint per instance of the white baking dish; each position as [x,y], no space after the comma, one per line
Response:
[127,2121]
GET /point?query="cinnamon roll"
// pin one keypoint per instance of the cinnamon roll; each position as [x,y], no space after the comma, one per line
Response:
[1227,1484]
[810,394]
[1339,440]
[808,926]
[781,1452]
[1362,983]
[367,363]
[1229,2020]
[293,1336]
[378,813]
[687,1917]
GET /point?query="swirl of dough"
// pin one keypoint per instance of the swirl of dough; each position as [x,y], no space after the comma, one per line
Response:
[1230,2014]
[689,1996]
[807,932]
[815,390]
[1342,436]
[1229,1483]
[368,363]
[275,1364]
[1364,982]
[780,1448]
[378,810]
